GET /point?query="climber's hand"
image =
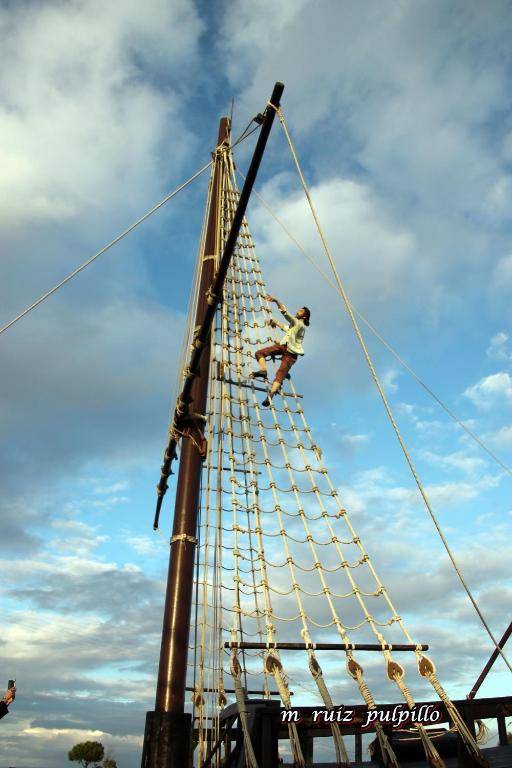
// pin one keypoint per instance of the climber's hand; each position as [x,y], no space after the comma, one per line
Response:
[270,298]
[9,696]
[273,324]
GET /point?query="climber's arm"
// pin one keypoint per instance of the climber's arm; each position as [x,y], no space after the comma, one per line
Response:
[275,324]
[291,319]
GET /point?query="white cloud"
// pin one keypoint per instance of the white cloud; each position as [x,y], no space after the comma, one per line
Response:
[106,490]
[502,275]
[373,253]
[108,503]
[499,347]
[501,438]
[373,492]
[409,409]
[389,381]
[80,119]
[413,142]
[142,545]
[491,391]
[499,198]
[33,636]
[457,460]
[453,493]
[429,426]
[73,526]
[399,105]
[58,741]
[75,735]
[355,439]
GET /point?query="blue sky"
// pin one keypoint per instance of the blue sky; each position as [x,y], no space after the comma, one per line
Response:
[400,112]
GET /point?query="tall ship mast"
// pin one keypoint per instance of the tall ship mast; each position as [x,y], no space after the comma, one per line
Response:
[268,576]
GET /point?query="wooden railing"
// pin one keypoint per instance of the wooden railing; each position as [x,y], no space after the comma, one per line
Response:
[268,725]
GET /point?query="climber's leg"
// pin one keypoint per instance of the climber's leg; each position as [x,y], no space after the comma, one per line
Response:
[261,356]
[287,360]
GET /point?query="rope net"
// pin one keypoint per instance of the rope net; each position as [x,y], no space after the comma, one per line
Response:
[278,558]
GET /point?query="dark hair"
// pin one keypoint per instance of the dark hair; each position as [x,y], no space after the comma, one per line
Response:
[308,315]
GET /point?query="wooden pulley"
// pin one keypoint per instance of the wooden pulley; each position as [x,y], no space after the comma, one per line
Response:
[354,669]
[198,699]
[426,667]
[236,669]
[272,664]
[395,671]
[222,699]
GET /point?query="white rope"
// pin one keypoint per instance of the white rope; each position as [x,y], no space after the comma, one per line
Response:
[241,268]
[383,341]
[383,395]
[104,249]
[248,274]
[273,471]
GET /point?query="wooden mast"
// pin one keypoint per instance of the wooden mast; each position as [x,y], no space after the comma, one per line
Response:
[170,694]
[168,728]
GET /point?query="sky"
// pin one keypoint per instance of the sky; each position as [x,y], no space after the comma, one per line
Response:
[400,112]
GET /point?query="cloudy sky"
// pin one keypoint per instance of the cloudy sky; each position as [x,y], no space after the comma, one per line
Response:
[401,114]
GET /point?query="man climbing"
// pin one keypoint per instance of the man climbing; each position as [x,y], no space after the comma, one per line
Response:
[289,348]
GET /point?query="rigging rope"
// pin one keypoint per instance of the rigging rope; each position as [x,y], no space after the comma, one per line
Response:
[245,135]
[104,249]
[383,341]
[342,627]
[272,556]
[242,270]
[381,391]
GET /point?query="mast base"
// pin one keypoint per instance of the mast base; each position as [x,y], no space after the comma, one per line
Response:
[167,740]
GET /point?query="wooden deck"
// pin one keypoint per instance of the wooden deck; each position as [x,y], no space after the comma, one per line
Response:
[268,726]
[498,757]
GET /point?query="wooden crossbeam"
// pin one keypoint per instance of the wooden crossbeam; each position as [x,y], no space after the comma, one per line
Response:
[250,385]
[493,657]
[326,646]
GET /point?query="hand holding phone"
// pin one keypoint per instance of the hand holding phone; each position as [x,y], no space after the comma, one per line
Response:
[10,693]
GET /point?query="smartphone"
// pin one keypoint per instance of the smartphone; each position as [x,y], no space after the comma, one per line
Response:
[11,684]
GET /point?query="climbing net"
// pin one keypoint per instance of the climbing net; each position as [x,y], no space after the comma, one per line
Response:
[278,556]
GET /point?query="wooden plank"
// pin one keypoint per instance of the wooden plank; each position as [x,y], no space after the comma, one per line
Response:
[498,757]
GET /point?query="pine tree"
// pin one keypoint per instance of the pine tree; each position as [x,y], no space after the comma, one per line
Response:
[87,752]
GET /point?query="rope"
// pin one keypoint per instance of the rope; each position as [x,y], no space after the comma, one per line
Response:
[209,697]
[265,475]
[428,670]
[356,672]
[123,234]
[383,341]
[396,674]
[250,757]
[382,394]
[241,270]
[104,249]
[342,757]
[275,668]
